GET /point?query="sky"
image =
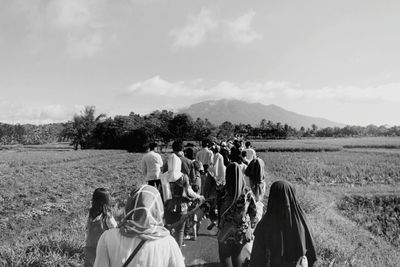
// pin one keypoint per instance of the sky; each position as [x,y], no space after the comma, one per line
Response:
[339,60]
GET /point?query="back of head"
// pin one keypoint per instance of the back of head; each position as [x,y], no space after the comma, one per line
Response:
[189,153]
[281,197]
[100,201]
[255,170]
[204,143]
[236,155]
[234,179]
[215,148]
[247,144]
[177,146]
[145,212]
[152,146]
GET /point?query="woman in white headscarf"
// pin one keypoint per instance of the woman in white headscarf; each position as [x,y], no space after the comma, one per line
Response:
[143,225]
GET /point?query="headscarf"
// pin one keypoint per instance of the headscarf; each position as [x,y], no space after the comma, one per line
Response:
[255,171]
[145,212]
[236,155]
[218,169]
[234,186]
[284,228]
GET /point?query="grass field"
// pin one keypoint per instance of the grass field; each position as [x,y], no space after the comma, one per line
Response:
[350,196]
[326,144]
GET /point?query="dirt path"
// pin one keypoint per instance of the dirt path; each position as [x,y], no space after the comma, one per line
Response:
[204,251]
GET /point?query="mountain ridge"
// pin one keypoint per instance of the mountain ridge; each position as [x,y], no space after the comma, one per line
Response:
[238,111]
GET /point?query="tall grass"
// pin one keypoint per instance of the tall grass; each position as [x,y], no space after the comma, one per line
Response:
[344,167]
[379,214]
[45,199]
[326,144]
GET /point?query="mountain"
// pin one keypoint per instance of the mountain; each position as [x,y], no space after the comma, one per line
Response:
[236,111]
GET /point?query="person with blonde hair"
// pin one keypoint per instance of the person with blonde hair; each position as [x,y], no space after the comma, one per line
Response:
[141,239]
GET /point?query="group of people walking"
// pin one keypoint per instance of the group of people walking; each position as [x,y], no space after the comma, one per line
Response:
[224,182]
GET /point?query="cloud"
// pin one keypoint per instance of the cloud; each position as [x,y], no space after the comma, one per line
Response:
[85,46]
[82,23]
[71,14]
[159,87]
[265,91]
[240,29]
[11,112]
[196,30]
[81,28]
[205,26]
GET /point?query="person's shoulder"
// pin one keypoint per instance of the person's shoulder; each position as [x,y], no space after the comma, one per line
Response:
[147,154]
[187,161]
[171,242]
[110,235]
[167,241]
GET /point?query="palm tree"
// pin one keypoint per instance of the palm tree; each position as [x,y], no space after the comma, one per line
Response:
[82,128]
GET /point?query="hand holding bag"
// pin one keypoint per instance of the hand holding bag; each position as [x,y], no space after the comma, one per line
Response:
[302,262]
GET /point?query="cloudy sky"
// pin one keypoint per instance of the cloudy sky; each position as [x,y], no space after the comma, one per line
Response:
[339,60]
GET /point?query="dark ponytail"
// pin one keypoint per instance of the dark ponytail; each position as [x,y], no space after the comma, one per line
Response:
[101,201]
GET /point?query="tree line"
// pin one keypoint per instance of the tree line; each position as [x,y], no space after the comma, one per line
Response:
[133,132]
[29,134]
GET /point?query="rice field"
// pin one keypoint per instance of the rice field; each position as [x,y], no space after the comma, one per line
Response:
[44,200]
[329,168]
[326,144]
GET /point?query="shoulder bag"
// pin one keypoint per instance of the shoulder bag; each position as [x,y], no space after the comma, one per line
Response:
[133,253]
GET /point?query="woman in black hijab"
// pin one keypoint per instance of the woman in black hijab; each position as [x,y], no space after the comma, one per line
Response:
[283,236]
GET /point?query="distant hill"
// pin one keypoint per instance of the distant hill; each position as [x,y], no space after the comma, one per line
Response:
[236,111]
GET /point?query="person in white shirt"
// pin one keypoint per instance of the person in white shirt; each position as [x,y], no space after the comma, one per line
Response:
[218,168]
[143,224]
[151,166]
[206,157]
[250,152]
[214,184]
